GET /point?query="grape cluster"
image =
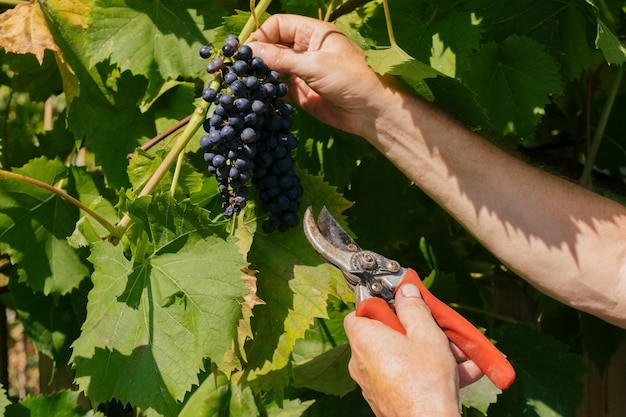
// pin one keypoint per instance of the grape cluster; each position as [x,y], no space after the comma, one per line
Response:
[248,138]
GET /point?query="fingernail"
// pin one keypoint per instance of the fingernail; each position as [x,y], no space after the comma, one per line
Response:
[410,290]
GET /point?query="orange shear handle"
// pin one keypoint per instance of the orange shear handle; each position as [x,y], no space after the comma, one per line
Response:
[459,331]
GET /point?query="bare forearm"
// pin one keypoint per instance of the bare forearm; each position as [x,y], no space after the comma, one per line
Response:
[565,240]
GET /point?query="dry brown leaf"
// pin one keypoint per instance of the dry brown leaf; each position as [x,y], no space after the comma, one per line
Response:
[251,299]
[23,30]
[244,330]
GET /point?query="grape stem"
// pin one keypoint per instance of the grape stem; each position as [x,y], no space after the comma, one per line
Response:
[179,164]
[392,38]
[585,178]
[329,11]
[23,178]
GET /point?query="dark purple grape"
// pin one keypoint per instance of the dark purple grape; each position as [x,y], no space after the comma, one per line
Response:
[242,104]
[230,77]
[281,90]
[248,135]
[209,95]
[215,65]
[232,40]
[239,67]
[244,52]
[218,161]
[252,82]
[229,212]
[227,101]
[258,106]
[236,121]
[228,51]
[206,51]
[238,88]
[227,132]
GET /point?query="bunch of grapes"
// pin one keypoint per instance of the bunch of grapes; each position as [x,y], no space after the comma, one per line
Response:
[248,138]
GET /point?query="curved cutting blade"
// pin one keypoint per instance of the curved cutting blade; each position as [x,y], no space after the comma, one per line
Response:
[329,239]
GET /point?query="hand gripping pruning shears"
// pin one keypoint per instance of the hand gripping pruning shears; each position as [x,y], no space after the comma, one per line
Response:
[374,279]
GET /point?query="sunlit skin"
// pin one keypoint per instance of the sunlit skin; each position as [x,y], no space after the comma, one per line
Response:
[566,241]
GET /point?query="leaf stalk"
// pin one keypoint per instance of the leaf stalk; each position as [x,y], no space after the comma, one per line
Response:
[23,178]
[252,22]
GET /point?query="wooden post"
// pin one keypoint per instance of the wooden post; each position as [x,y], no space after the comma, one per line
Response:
[605,395]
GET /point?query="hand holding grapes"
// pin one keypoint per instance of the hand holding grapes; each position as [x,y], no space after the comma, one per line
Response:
[329,77]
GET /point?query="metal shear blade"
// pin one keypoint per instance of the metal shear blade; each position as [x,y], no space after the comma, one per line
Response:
[332,242]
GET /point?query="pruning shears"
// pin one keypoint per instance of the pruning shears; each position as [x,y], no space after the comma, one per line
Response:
[374,279]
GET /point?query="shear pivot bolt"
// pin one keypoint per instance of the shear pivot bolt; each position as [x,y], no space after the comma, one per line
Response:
[377,286]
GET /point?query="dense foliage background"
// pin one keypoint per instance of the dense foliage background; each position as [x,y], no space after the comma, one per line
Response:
[178,312]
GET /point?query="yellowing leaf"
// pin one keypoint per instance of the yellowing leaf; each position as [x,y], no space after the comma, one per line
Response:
[24,31]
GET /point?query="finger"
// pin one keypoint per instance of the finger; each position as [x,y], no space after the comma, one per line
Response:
[412,311]
[469,373]
[459,355]
[279,29]
[280,58]
[299,32]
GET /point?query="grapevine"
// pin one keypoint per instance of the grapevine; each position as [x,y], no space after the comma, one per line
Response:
[248,138]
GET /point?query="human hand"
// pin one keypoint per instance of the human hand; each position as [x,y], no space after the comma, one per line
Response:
[328,75]
[412,375]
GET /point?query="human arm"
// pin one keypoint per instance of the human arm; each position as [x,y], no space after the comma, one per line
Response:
[566,241]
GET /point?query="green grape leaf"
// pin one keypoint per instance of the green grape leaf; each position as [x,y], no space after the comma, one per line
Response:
[62,403]
[549,379]
[324,335]
[210,399]
[294,282]
[152,320]
[566,30]
[144,164]
[159,40]
[611,46]
[67,20]
[242,401]
[393,60]
[113,142]
[4,401]
[458,100]
[92,195]
[34,227]
[479,395]
[441,35]
[288,408]
[328,152]
[511,87]
[99,95]
[52,323]
[40,81]
[326,373]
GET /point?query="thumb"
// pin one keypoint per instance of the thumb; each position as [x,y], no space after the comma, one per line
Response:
[411,308]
